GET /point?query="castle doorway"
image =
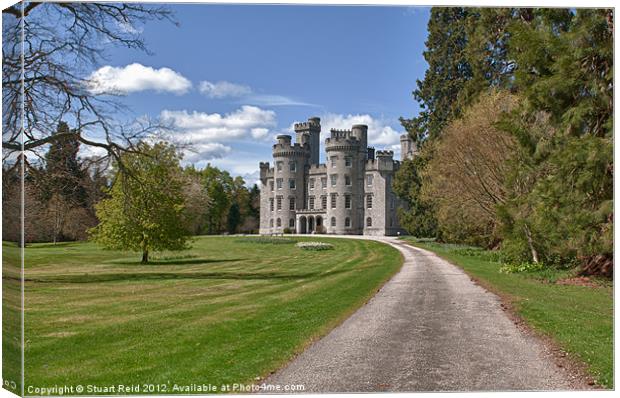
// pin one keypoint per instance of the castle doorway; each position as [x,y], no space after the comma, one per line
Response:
[310,225]
[302,225]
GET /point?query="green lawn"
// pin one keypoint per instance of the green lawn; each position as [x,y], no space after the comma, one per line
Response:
[579,319]
[226,311]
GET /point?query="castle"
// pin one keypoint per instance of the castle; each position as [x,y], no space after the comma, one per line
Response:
[350,194]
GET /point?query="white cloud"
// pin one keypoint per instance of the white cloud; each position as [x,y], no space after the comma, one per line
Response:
[223,89]
[207,133]
[206,151]
[136,77]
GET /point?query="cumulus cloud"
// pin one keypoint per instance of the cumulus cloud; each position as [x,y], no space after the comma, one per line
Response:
[207,133]
[136,77]
[223,89]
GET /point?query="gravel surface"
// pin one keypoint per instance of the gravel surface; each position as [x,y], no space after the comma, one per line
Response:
[430,328]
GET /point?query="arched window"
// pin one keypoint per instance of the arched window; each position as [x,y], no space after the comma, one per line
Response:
[271,223]
[279,222]
[369,222]
[291,223]
[347,222]
[333,221]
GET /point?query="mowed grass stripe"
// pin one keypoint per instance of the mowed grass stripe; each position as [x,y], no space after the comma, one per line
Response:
[224,312]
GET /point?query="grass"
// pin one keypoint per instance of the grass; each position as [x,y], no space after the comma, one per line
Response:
[227,311]
[579,319]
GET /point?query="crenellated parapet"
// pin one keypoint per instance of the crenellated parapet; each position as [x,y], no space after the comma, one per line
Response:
[313,123]
[285,148]
[265,172]
[383,161]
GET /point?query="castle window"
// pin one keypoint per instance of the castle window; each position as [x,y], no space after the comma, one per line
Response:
[333,160]
[324,182]
[347,222]
[279,166]
[279,203]
[311,203]
[271,223]
[293,166]
[333,221]
[324,202]
[311,183]
[347,180]
[291,203]
[333,200]
[279,223]
[279,183]
[391,222]
[369,222]
[291,183]
[369,180]
[347,161]
[369,202]
[347,201]
[391,203]
[291,223]
[271,185]
[334,179]
[270,204]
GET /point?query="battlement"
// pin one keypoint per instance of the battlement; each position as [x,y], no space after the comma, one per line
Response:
[265,172]
[384,153]
[286,149]
[313,123]
[336,133]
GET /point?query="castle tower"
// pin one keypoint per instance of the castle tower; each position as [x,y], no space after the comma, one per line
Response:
[344,182]
[361,132]
[310,132]
[290,162]
[407,147]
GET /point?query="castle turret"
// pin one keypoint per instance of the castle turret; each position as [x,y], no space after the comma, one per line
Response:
[310,132]
[407,147]
[344,182]
[361,132]
[289,190]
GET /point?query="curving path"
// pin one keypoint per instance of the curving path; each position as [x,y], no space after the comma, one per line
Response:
[430,328]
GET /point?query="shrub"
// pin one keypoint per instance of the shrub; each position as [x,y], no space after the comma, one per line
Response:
[315,246]
[521,267]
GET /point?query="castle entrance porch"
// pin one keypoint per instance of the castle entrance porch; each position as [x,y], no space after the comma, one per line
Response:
[309,221]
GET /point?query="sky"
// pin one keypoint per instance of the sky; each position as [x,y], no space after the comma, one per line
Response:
[230,78]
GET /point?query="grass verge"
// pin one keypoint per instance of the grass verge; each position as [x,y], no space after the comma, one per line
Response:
[227,311]
[579,319]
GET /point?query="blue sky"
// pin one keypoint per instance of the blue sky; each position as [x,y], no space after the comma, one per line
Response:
[232,77]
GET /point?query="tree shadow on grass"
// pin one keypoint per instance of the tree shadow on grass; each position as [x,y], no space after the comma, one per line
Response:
[162,276]
[183,261]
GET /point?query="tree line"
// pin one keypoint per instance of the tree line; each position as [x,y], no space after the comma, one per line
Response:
[70,198]
[515,135]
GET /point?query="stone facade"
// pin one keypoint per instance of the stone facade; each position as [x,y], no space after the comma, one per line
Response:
[349,194]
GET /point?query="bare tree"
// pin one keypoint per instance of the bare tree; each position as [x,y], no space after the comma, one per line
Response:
[48,52]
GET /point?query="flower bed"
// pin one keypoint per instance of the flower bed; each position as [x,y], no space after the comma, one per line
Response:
[315,246]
